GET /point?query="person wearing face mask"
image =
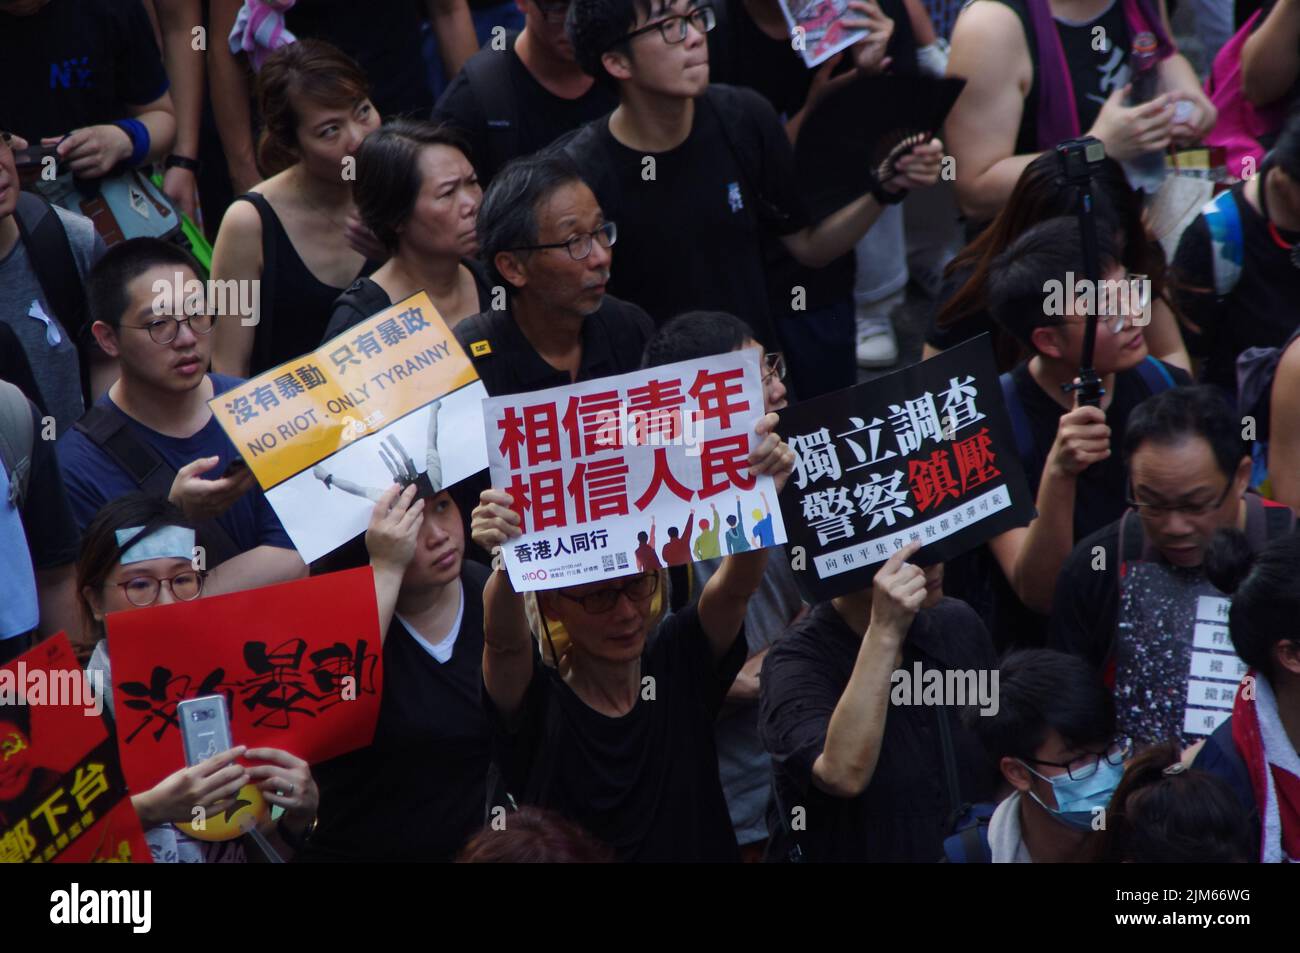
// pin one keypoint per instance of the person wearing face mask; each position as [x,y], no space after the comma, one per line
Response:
[418,194]
[857,777]
[1053,739]
[1134,599]
[515,101]
[289,232]
[742,763]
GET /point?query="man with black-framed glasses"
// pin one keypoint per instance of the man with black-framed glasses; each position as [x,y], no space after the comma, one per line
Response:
[697,173]
[522,91]
[153,430]
[1135,599]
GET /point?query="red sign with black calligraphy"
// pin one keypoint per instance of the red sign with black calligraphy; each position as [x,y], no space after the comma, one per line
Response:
[299,664]
[924,453]
[633,472]
[62,795]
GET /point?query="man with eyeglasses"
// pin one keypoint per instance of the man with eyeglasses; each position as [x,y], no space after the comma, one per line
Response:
[153,430]
[1070,454]
[515,101]
[1134,600]
[549,249]
[696,173]
[1054,740]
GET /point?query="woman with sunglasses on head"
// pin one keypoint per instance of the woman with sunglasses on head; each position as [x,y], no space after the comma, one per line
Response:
[619,735]
[138,552]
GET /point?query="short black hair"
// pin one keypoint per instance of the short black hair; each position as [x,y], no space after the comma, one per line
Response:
[597,26]
[508,216]
[696,334]
[1190,411]
[1019,276]
[1265,590]
[1285,153]
[388,179]
[1040,690]
[106,285]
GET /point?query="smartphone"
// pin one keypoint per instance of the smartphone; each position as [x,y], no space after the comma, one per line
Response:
[205,727]
[34,156]
[235,468]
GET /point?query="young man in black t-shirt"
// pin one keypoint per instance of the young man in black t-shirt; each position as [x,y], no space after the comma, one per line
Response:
[698,173]
[513,101]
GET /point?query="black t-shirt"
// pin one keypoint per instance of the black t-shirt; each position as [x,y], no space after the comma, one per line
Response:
[419,791]
[900,816]
[689,238]
[76,63]
[48,520]
[613,341]
[1261,311]
[384,37]
[645,783]
[539,115]
[1086,605]
[366,298]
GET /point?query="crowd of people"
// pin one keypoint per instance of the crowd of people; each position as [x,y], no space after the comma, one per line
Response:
[586,188]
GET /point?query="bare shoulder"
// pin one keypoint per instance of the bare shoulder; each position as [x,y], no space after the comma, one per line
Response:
[988,33]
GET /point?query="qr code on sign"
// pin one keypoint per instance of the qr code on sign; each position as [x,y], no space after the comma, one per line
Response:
[607,563]
[622,560]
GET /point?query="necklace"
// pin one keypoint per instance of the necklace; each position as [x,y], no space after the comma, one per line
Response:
[1293,249]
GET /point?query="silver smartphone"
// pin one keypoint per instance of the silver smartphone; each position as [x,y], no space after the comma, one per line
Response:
[205,727]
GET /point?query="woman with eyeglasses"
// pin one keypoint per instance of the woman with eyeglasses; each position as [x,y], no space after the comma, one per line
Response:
[139,552]
[619,735]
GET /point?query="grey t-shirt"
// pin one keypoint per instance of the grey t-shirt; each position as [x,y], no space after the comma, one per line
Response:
[50,352]
[743,766]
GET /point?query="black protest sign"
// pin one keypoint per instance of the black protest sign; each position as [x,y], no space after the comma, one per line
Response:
[924,453]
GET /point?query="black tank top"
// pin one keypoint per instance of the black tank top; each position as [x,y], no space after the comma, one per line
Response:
[296,305]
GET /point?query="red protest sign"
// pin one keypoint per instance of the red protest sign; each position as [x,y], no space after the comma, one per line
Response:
[299,664]
[62,795]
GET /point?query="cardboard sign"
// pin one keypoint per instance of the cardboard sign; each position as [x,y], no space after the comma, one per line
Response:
[923,453]
[63,798]
[816,30]
[386,401]
[633,472]
[299,664]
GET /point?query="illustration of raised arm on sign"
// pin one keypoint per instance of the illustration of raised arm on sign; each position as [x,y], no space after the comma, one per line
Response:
[399,464]
[735,536]
[707,545]
[646,558]
[677,551]
[763,533]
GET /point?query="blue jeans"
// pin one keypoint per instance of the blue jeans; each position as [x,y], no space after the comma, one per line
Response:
[506,15]
[820,349]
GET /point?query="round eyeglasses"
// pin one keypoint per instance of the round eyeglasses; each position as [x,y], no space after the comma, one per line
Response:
[143,591]
[164,330]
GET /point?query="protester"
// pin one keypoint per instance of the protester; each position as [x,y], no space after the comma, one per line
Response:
[1053,739]
[1270,58]
[154,430]
[743,765]
[515,101]
[138,551]
[856,778]
[418,194]
[1164,813]
[288,234]
[547,243]
[534,836]
[699,173]
[1127,598]
[582,738]
[1041,71]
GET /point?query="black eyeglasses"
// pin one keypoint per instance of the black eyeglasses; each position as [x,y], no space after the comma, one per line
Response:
[1085,766]
[603,600]
[773,366]
[579,246]
[164,330]
[143,591]
[673,29]
[1155,511]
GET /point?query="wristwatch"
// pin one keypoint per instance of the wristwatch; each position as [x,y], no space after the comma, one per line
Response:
[294,840]
[181,162]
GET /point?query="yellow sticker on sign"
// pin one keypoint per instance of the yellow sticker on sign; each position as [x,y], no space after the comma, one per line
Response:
[297,414]
[480,348]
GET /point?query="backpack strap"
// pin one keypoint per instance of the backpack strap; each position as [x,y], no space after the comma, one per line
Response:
[16,441]
[1026,446]
[957,808]
[1155,375]
[488,75]
[153,475]
[970,845]
[1226,244]
[50,251]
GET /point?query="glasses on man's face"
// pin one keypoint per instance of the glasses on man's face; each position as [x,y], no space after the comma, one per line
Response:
[164,330]
[579,246]
[603,600]
[773,366]
[1156,511]
[673,29]
[555,11]
[143,591]
[1086,765]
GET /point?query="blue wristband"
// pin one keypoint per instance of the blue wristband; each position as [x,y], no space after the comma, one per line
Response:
[138,133]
